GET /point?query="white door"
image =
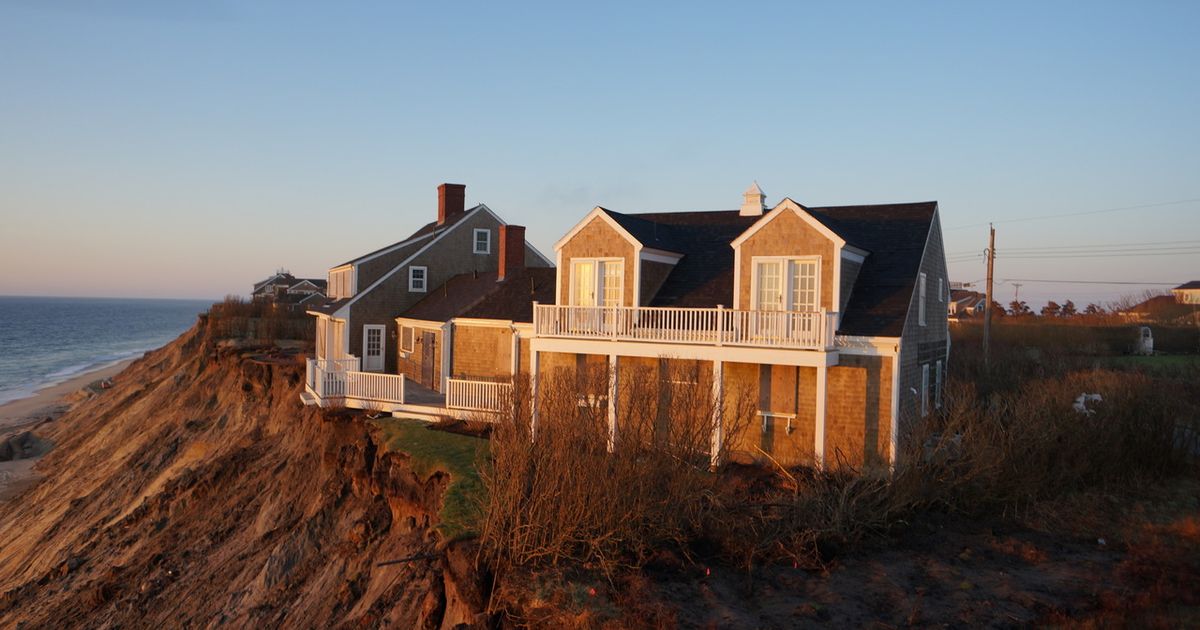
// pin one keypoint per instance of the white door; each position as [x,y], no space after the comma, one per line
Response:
[373,347]
[802,296]
[583,281]
[769,280]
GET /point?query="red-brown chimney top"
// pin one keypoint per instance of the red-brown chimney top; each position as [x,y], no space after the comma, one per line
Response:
[512,251]
[452,201]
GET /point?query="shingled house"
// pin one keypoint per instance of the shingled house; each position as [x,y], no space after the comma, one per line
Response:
[833,318]
[356,325]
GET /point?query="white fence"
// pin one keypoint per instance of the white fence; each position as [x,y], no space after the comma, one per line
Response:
[477,395]
[328,380]
[806,330]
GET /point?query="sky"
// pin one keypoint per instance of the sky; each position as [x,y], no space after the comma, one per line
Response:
[153,149]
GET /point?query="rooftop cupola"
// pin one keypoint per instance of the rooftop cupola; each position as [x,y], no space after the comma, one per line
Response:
[753,201]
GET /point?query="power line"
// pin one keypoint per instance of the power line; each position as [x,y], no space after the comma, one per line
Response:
[1077,214]
[1147,246]
[1082,281]
[1098,255]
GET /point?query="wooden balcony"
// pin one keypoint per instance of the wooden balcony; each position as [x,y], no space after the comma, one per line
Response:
[793,330]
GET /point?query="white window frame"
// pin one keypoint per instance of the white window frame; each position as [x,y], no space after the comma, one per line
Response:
[487,246]
[937,385]
[413,280]
[786,280]
[597,278]
[924,389]
[941,293]
[921,299]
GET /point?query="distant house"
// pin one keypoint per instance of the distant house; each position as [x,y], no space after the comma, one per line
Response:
[1187,293]
[286,288]
[367,294]
[1161,309]
[966,303]
[273,286]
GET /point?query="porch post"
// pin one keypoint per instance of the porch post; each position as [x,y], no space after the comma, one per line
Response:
[533,393]
[612,402]
[819,446]
[718,411]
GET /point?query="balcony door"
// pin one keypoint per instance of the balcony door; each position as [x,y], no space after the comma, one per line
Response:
[596,282]
[786,292]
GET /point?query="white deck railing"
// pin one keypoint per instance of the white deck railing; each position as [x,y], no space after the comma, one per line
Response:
[330,380]
[802,330]
[477,395]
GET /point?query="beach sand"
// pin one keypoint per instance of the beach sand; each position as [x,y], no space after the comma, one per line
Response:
[23,415]
[49,401]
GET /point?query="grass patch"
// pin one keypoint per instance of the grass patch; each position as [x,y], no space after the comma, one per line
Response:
[1155,362]
[456,454]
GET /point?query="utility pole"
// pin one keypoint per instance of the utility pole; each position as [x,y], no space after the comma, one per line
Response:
[987,317]
[1017,296]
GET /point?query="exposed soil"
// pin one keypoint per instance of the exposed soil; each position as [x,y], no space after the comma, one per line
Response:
[198,491]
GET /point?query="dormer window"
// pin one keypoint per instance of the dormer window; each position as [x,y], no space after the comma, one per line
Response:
[417,279]
[483,241]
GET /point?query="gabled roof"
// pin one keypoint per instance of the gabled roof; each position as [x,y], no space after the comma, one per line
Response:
[481,296]
[318,283]
[1187,286]
[283,278]
[893,235]
[428,229]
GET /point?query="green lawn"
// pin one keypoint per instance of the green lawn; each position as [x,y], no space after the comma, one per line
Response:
[432,451]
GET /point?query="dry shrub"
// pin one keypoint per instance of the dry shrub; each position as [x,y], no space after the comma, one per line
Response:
[565,497]
[264,320]
[1005,451]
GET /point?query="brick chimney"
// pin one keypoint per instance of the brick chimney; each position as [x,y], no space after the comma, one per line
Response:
[512,251]
[452,201]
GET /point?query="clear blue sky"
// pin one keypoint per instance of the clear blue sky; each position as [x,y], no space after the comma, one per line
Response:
[189,149]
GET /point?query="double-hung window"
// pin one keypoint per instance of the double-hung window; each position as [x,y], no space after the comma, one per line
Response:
[418,278]
[482,241]
[925,389]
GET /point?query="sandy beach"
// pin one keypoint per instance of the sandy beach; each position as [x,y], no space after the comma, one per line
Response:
[20,415]
[46,401]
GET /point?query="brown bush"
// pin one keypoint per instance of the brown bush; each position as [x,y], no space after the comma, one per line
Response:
[564,497]
[264,320]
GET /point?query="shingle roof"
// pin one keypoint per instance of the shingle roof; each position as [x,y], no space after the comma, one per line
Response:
[428,228]
[481,296]
[894,235]
[1194,284]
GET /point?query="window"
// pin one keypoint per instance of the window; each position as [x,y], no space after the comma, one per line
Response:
[925,389]
[782,284]
[597,282]
[483,241]
[921,302]
[937,385]
[417,277]
[406,338]
[941,293]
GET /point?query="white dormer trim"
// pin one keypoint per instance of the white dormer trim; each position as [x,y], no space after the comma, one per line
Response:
[660,256]
[800,211]
[637,252]
[598,212]
[839,248]
[854,254]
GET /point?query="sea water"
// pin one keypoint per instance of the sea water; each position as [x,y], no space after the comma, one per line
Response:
[47,340]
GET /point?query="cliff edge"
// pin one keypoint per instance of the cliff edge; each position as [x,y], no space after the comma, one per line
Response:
[200,492]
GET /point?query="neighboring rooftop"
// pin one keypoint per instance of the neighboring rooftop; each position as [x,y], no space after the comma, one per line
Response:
[1188,286]
[479,295]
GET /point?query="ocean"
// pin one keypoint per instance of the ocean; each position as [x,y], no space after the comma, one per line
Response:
[47,340]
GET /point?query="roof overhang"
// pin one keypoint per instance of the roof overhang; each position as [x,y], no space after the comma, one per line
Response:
[787,205]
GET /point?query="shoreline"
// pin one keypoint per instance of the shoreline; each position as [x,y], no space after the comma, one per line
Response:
[44,402]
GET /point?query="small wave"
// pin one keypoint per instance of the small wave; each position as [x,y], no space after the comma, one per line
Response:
[65,374]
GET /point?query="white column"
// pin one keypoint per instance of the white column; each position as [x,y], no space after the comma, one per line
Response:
[819,441]
[718,420]
[612,402]
[533,393]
